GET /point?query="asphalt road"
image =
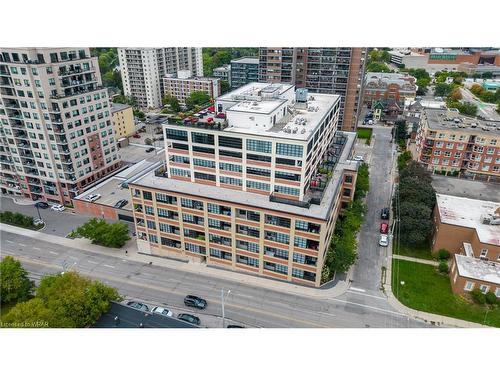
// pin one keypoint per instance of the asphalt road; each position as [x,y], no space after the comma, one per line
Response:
[367,271]
[248,305]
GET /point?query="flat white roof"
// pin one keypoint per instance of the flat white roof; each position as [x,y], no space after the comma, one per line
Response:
[252,89]
[466,212]
[478,269]
[246,60]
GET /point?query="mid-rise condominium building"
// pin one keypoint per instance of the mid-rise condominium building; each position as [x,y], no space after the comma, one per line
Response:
[223,73]
[123,120]
[257,192]
[143,69]
[183,84]
[57,135]
[450,143]
[244,70]
[338,71]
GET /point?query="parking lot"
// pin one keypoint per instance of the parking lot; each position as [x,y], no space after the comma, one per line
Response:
[134,153]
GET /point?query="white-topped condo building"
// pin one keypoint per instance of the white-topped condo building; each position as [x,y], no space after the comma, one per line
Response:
[258,191]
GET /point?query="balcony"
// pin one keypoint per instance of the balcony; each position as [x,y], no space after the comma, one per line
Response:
[24,145]
[61,139]
[28,162]
[31,171]
[34,181]
[20,134]
[63,150]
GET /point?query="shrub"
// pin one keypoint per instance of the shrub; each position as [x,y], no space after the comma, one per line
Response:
[491,298]
[478,297]
[443,254]
[443,267]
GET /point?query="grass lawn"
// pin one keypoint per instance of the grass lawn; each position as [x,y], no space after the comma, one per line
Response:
[422,251]
[365,133]
[427,290]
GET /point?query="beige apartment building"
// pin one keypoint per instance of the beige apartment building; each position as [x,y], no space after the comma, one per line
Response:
[453,144]
[182,84]
[245,193]
[56,134]
[338,71]
[123,120]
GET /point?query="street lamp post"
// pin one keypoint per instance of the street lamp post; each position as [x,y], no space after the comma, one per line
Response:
[38,210]
[222,302]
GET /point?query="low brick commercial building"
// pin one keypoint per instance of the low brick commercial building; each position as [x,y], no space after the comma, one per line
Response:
[389,87]
[468,273]
[458,220]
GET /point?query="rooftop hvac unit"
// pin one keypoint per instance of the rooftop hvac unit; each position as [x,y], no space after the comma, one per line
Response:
[295,130]
[302,131]
[301,95]
[490,219]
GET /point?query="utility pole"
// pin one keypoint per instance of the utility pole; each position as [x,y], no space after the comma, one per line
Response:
[222,302]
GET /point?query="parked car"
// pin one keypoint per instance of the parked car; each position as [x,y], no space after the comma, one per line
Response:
[161,311]
[370,122]
[358,158]
[221,115]
[384,214]
[120,203]
[384,228]
[42,205]
[384,240]
[138,305]
[57,207]
[38,222]
[210,119]
[189,318]
[151,149]
[193,301]
[92,197]
[136,136]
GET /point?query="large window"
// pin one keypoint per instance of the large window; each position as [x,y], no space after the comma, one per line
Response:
[230,142]
[204,176]
[286,190]
[248,215]
[191,203]
[219,209]
[230,167]
[164,198]
[289,150]
[258,171]
[180,159]
[256,157]
[179,135]
[180,146]
[258,185]
[232,154]
[277,253]
[221,240]
[218,224]
[204,150]
[248,231]
[195,248]
[147,195]
[162,212]
[278,221]
[277,237]
[204,163]
[248,246]
[259,146]
[167,228]
[276,268]
[230,181]
[287,176]
[180,172]
[207,139]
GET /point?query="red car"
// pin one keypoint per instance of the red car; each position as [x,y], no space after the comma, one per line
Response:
[384,228]
[221,115]
[210,119]
[136,136]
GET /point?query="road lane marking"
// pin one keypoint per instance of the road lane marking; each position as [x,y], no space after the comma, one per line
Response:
[366,295]
[121,280]
[53,252]
[9,241]
[357,289]
[367,306]
[91,261]
[36,248]
[107,265]
[21,244]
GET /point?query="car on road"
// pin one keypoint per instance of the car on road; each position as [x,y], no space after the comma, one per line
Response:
[138,305]
[120,203]
[136,136]
[57,207]
[189,318]
[161,311]
[384,228]
[151,149]
[193,301]
[358,158]
[384,214]
[384,240]
[220,115]
[92,197]
[42,204]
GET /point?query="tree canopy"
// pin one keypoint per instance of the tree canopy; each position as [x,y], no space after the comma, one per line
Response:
[173,102]
[215,57]
[102,233]
[108,65]
[16,286]
[197,98]
[65,300]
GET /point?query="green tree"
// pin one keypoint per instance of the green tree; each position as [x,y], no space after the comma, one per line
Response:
[415,190]
[30,314]
[415,222]
[224,86]
[377,67]
[415,170]
[102,233]
[498,107]
[16,286]
[456,95]
[403,159]
[362,182]
[125,100]
[173,102]
[197,98]
[442,90]
[401,132]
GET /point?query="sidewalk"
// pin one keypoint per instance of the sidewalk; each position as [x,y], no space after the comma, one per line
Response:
[197,268]
[416,260]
